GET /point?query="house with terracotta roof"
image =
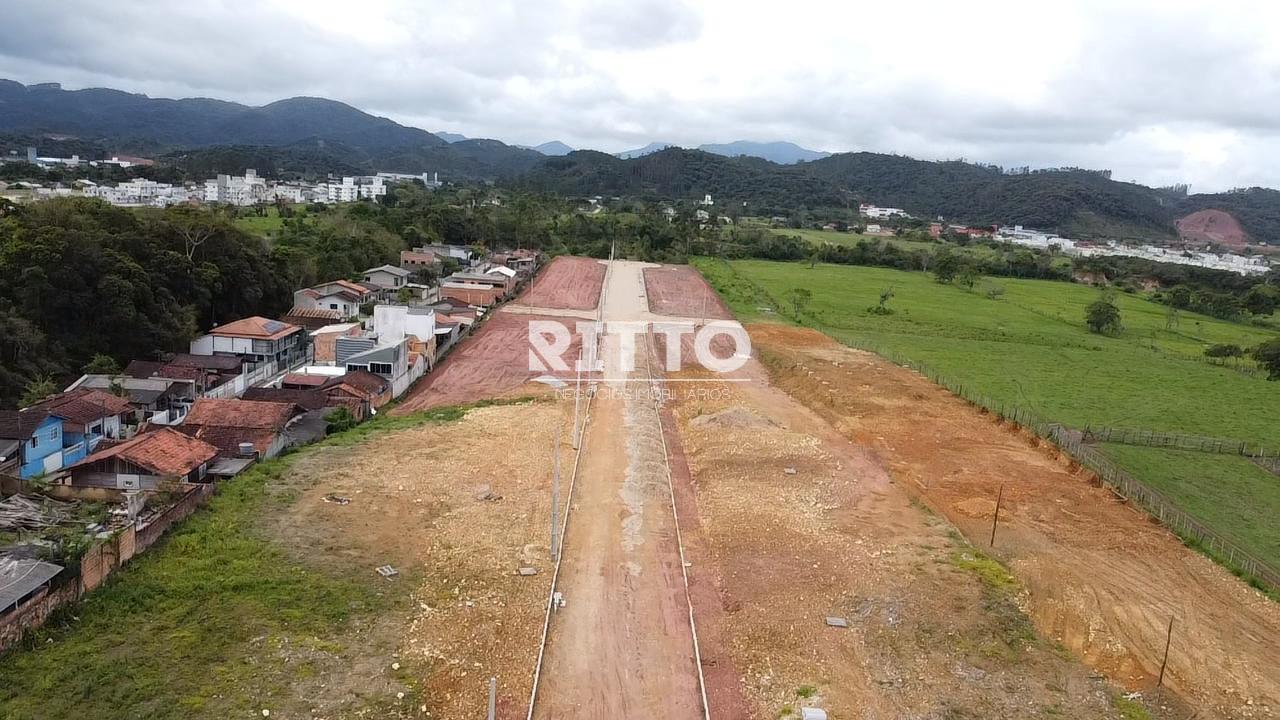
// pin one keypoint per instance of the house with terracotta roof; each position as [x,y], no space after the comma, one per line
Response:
[342,296]
[362,385]
[255,340]
[233,426]
[155,460]
[155,399]
[311,318]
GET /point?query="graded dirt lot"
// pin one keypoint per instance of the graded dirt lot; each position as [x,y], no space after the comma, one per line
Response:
[567,283]
[797,525]
[492,363]
[457,509]
[1102,578]
[680,290]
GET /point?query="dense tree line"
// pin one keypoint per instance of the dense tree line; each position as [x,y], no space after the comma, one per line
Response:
[79,277]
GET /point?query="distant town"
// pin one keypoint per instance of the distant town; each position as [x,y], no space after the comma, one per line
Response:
[241,191]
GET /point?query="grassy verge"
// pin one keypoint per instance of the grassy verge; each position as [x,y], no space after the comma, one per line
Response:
[1226,492]
[179,632]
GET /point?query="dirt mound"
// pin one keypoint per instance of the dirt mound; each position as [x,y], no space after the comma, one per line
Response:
[1212,226]
[734,417]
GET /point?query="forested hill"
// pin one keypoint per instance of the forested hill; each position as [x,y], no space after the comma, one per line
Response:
[301,131]
[1073,202]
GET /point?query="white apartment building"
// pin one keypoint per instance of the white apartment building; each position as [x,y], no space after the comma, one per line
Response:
[139,192]
[234,190]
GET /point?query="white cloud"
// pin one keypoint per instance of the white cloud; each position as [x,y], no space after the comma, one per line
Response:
[1159,92]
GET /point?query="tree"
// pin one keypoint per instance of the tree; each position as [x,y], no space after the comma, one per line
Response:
[946,265]
[37,389]
[1103,317]
[800,298]
[102,364]
[1260,300]
[1268,356]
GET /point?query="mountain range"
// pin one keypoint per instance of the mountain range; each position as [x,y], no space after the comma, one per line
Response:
[306,135]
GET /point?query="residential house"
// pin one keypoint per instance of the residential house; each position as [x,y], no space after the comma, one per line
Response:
[419,259]
[461,253]
[255,340]
[388,278]
[155,460]
[507,274]
[391,323]
[30,442]
[309,381]
[156,400]
[474,288]
[343,296]
[233,425]
[87,416]
[361,385]
[324,339]
[311,318]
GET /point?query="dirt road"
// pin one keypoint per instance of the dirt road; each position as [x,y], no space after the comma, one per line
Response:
[623,645]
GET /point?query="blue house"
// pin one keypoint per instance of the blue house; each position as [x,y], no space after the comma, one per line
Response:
[31,442]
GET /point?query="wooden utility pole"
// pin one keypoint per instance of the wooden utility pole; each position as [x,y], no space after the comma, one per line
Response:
[555,500]
[1168,640]
[995,518]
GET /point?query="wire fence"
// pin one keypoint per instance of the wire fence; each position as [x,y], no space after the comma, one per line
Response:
[1268,458]
[1073,443]
[1121,482]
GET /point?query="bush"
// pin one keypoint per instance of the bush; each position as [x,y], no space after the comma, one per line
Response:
[340,420]
[1103,317]
[1222,350]
[1268,356]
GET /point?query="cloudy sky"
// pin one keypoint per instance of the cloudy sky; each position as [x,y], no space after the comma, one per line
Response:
[1160,92]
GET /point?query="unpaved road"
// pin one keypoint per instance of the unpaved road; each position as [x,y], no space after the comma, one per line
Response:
[623,646]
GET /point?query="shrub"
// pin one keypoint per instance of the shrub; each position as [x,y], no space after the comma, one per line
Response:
[1224,350]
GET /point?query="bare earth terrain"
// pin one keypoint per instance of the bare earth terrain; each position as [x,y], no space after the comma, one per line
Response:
[1101,577]
[456,509]
[567,283]
[680,290]
[492,363]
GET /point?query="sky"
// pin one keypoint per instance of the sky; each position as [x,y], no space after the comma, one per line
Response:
[1158,92]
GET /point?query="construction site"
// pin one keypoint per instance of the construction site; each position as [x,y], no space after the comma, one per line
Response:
[812,534]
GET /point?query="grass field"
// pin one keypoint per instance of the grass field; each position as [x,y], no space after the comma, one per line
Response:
[266,226]
[847,238]
[195,627]
[1031,349]
[1226,492]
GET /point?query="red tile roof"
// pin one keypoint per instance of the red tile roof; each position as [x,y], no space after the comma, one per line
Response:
[227,439]
[365,381]
[314,313]
[164,451]
[305,399]
[240,413]
[256,327]
[83,405]
[303,379]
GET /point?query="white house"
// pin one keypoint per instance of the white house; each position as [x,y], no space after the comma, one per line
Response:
[387,277]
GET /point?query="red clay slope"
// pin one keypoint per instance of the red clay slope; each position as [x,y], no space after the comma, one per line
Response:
[1212,226]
